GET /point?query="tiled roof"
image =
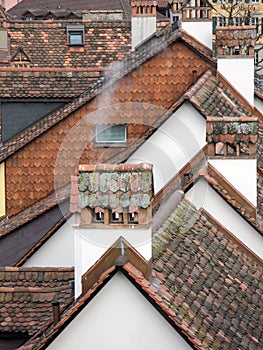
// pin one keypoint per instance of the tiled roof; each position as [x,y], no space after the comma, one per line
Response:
[229,193]
[205,283]
[26,295]
[156,44]
[80,5]
[137,86]
[117,187]
[45,43]
[212,285]
[37,83]
[52,68]
[214,98]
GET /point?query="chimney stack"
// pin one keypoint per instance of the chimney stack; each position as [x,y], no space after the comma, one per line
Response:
[235,57]
[143,20]
[197,21]
[56,311]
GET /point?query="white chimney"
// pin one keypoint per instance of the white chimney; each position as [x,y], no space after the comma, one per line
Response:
[197,21]
[143,20]
[235,58]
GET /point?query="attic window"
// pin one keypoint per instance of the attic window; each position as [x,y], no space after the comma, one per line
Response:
[111,134]
[75,35]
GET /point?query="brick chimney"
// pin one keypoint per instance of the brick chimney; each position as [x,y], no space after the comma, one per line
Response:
[235,57]
[143,20]
[197,20]
[232,150]
[113,201]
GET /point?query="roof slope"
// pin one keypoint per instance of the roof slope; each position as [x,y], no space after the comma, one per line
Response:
[141,71]
[213,285]
[26,295]
[204,283]
[80,5]
[214,98]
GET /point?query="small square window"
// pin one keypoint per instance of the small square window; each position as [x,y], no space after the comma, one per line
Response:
[75,35]
[113,133]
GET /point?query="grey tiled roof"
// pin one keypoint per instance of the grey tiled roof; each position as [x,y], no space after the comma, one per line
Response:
[213,285]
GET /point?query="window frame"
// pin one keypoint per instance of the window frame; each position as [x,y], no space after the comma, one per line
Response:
[76,30]
[99,141]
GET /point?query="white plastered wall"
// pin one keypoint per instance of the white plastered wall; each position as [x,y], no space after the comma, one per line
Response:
[241,173]
[118,318]
[173,144]
[142,28]
[202,31]
[203,196]
[91,244]
[240,73]
[58,251]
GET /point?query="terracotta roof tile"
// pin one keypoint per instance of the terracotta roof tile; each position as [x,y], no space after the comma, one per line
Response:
[214,99]
[214,281]
[48,134]
[26,295]
[113,186]
[81,5]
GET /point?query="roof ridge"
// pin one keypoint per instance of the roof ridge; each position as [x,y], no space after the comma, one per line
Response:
[217,186]
[199,83]
[244,247]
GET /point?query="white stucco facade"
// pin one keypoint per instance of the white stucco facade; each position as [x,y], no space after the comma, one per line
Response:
[142,28]
[201,31]
[241,173]
[173,144]
[203,196]
[91,244]
[118,318]
[58,251]
[240,73]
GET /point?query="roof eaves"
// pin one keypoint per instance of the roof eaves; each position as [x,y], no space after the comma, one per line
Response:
[241,245]
[35,210]
[215,185]
[44,239]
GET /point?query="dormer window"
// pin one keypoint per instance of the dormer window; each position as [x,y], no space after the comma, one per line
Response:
[75,35]
[111,134]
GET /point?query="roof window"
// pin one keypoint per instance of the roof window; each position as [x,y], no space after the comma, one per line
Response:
[75,35]
[111,134]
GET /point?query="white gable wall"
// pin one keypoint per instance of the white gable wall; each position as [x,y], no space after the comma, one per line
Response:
[173,144]
[142,28]
[91,244]
[118,318]
[241,173]
[58,251]
[202,31]
[203,196]
[240,73]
